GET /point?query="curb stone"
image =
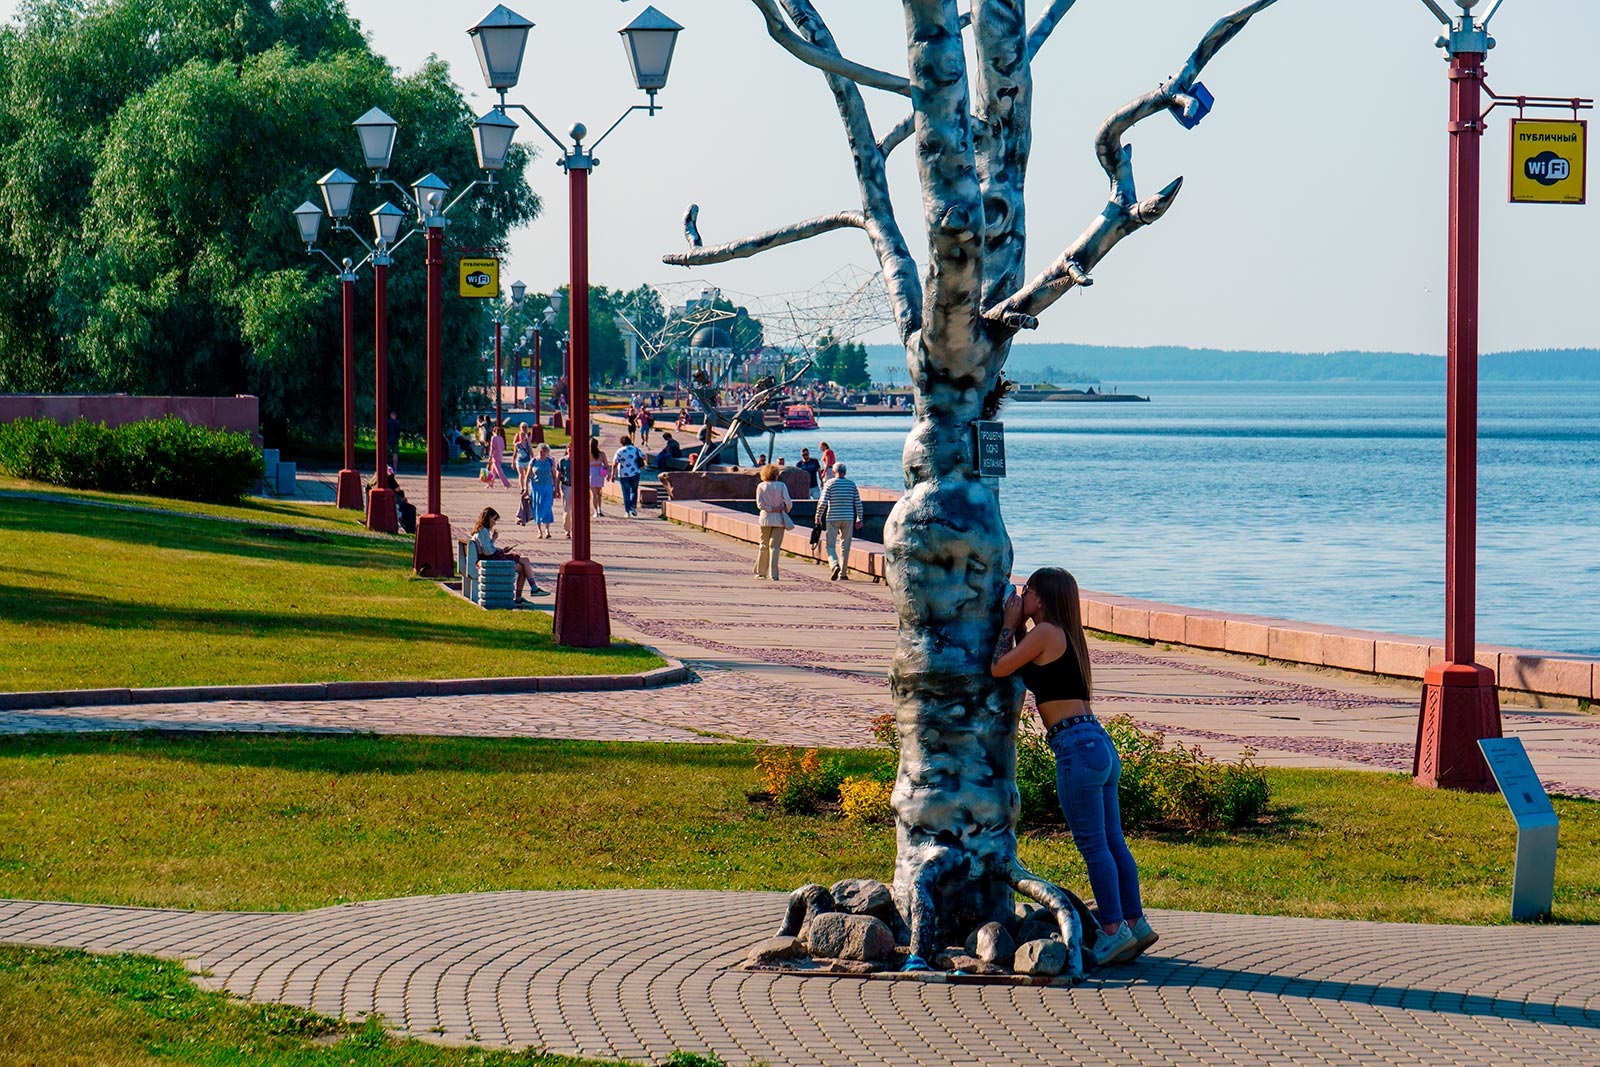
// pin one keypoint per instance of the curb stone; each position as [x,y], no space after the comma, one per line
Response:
[673,673]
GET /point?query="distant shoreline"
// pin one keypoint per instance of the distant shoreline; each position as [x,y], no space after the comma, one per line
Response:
[1176,364]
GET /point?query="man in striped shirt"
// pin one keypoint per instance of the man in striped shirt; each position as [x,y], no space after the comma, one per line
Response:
[841,503]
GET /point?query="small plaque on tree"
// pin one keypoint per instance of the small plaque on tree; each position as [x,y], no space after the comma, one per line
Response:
[990,448]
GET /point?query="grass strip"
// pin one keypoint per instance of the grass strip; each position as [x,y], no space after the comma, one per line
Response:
[298,821]
[92,598]
[71,1009]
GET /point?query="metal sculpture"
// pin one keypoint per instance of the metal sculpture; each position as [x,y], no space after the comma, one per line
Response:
[947,552]
[750,417]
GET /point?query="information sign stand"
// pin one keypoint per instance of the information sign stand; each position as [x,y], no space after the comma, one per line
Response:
[1534,882]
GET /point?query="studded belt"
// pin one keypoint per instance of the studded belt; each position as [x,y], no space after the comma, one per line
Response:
[1075,720]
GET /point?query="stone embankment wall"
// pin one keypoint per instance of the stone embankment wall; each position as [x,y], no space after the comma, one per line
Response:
[1541,674]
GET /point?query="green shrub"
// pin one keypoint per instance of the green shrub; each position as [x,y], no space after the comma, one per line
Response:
[1162,786]
[161,457]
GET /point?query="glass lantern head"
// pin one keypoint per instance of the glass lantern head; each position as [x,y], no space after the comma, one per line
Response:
[500,41]
[377,132]
[650,40]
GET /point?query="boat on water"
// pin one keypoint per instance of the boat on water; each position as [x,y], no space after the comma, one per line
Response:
[799,417]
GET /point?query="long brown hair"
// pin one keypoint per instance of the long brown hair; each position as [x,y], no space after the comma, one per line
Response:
[1057,591]
[484,518]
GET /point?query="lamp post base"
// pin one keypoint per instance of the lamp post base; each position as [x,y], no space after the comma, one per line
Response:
[1460,706]
[538,432]
[348,494]
[582,616]
[381,514]
[433,555]
[556,422]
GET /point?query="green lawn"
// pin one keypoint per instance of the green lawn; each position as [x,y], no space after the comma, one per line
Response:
[70,1009]
[290,822]
[91,597]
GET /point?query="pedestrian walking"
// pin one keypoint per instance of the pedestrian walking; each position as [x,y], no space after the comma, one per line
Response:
[564,471]
[599,469]
[647,421]
[497,457]
[841,502]
[542,488]
[774,504]
[394,440]
[626,467]
[1051,654]
[828,460]
[522,452]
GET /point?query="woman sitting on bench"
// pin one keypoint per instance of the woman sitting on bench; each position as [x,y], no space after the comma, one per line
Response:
[483,534]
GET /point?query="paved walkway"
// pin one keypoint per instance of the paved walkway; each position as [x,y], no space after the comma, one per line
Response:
[640,974]
[805,662]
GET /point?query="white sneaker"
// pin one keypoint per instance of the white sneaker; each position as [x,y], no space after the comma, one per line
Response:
[1110,946]
[1143,938]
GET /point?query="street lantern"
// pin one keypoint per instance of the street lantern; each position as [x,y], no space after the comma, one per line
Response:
[429,192]
[338,190]
[386,222]
[500,40]
[377,132]
[650,39]
[308,217]
[519,289]
[493,133]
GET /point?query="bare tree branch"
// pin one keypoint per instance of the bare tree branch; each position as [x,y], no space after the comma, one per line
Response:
[827,58]
[761,242]
[899,269]
[1125,213]
[897,136]
[1046,25]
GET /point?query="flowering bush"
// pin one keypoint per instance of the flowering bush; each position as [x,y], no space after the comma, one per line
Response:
[866,800]
[799,783]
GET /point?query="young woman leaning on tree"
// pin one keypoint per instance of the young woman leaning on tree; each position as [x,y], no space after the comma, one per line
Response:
[1042,639]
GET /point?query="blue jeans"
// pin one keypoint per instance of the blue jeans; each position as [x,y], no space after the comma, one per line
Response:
[630,493]
[1087,772]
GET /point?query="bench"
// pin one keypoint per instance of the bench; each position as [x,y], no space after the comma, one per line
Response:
[489,583]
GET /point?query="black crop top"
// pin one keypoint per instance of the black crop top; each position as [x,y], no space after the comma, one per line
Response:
[1060,679]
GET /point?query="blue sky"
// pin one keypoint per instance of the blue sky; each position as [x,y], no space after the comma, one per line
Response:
[1312,218]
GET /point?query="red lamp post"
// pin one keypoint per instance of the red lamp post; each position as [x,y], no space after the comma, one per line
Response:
[538,382]
[381,517]
[498,328]
[433,554]
[1460,699]
[338,190]
[582,617]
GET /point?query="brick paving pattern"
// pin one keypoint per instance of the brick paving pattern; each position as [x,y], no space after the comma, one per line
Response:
[640,974]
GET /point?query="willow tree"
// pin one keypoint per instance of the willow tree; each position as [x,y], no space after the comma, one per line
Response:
[948,556]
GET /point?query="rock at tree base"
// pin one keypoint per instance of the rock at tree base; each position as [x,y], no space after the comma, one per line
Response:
[849,937]
[992,944]
[1041,928]
[853,967]
[1043,959]
[775,950]
[961,961]
[864,896]
[805,904]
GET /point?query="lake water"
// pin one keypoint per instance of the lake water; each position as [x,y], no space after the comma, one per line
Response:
[1322,502]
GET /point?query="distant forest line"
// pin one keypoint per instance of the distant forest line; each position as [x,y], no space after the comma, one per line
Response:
[1175,364]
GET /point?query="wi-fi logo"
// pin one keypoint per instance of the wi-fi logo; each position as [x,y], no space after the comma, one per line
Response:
[478,279]
[1547,168]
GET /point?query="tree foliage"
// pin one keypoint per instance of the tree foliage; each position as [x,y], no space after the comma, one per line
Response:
[155,150]
[844,363]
